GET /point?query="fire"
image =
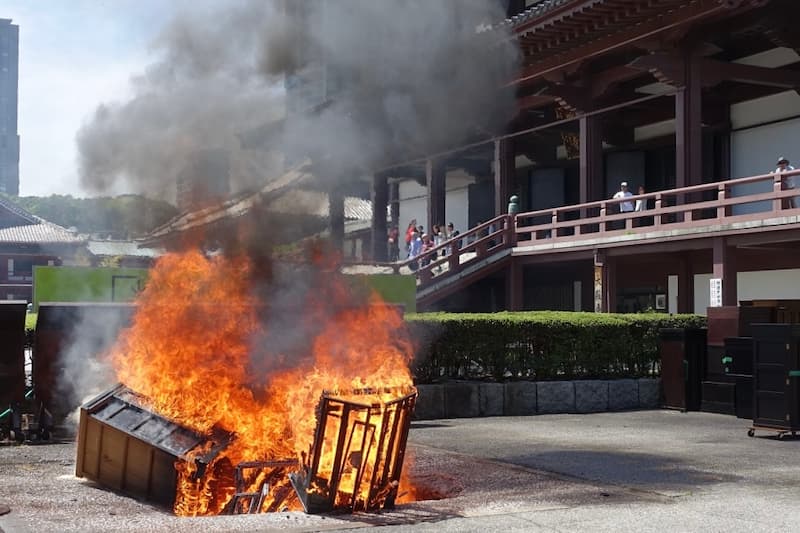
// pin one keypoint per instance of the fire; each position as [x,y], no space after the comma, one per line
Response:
[193,351]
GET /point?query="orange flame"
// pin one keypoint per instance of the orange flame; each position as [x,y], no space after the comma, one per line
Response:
[189,351]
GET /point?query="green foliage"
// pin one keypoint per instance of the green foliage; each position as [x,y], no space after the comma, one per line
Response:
[124,216]
[539,345]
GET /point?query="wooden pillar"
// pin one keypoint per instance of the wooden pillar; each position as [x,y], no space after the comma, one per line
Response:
[380,202]
[688,127]
[514,286]
[394,204]
[504,169]
[435,172]
[336,218]
[685,285]
[725,269]
[610,285]
[591,160]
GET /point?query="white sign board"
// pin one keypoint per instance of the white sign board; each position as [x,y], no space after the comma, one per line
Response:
[715,294]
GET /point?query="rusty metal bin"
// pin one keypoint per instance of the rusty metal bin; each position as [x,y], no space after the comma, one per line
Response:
[683,352]
[776,377]
[12,352]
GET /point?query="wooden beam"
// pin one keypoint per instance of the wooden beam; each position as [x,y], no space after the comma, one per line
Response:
[534,101]
[504,157]
[435,172]
[602,82]
[380,202]
[668,68]
[698,10]
[590,181]
[715,72]
[688,127]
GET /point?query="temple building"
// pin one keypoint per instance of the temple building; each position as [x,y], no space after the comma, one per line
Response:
[694,101]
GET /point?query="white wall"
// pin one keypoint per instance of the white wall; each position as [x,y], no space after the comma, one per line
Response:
[414,201]
[758,285]
[672,294]
[755,151]
[769,285]
[701,293]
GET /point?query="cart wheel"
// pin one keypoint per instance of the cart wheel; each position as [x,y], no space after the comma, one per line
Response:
[751,433]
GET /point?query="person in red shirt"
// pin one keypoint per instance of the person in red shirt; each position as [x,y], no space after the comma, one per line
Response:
[412,227]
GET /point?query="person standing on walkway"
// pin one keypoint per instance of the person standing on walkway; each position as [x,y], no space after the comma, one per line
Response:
[641,204]
[792,182]
[624,207]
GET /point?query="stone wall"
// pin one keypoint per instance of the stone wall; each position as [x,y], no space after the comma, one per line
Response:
[466,399]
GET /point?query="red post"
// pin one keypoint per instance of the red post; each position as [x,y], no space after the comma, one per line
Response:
[777,187]
[721,193]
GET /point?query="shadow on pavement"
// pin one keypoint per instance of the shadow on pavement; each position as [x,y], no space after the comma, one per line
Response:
[636,470]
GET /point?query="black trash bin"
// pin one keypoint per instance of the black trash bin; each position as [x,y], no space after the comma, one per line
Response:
[683,353]
[776,378]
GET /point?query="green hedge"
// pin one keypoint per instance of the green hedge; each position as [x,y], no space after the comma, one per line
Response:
[539,345]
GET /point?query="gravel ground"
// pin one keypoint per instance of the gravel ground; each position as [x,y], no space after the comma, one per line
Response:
[638,471]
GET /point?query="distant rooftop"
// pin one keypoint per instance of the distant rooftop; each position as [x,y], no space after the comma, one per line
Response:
[21,227]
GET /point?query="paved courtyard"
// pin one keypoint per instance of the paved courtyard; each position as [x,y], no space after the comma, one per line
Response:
[635,471]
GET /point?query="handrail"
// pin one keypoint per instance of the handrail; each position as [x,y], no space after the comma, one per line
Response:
[683,207]
[672,192]
[483,240]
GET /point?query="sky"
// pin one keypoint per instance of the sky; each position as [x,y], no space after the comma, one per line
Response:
[74,55]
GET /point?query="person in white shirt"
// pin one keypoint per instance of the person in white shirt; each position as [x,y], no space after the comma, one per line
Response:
[641,205]
[792,182]
[624,207]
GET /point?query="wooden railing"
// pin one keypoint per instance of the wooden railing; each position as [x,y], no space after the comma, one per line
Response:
[675,209]
[453,255]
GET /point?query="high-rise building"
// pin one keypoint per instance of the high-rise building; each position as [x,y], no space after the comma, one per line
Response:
[9,82]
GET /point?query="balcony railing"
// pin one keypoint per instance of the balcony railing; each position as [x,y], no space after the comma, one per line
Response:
[454,255]
[742,200]
[712,206]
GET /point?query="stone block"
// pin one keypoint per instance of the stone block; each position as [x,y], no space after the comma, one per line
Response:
[490,399]
[461,400]
[623,394]
[520,398]
[591,396]
[430,402]
[649,393]
[555,397]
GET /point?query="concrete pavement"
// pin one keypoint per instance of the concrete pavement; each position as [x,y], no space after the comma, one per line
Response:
[634,471]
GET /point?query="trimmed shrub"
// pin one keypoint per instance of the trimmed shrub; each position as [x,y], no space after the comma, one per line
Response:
[539,345]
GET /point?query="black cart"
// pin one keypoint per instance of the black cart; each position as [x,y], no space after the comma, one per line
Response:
[776,379]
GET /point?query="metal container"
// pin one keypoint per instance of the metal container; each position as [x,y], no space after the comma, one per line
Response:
[12,353]
[776,376]
[124,447]
[683,353]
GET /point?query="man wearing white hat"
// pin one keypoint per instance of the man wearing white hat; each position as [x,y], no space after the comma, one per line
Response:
[624,207]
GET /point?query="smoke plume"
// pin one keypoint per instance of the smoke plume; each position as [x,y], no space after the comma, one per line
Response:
[401,78]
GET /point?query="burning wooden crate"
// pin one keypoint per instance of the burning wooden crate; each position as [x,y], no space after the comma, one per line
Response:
[357,454]
[125,447]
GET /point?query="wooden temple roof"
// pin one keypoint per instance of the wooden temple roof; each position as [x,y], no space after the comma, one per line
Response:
[557,36]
